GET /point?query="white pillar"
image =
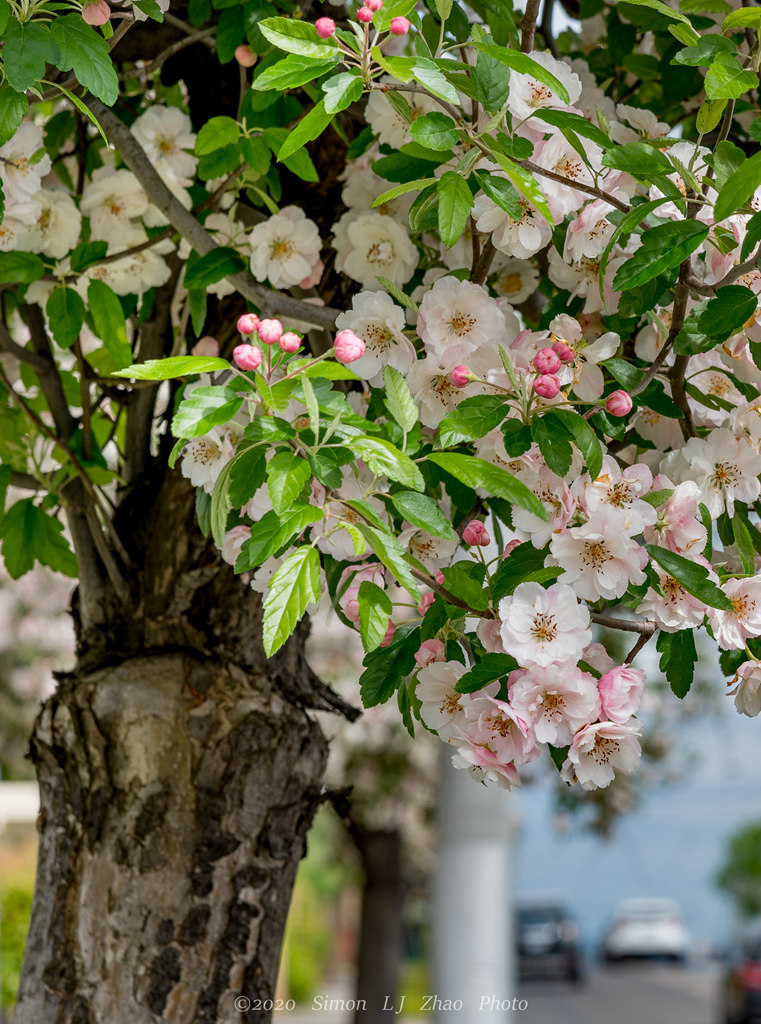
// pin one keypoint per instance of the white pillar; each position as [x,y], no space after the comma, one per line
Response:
[472,925]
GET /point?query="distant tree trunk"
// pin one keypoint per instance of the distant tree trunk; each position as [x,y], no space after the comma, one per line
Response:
[381,940]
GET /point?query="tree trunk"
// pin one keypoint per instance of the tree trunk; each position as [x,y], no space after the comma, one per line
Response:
[175,798]
[381,940]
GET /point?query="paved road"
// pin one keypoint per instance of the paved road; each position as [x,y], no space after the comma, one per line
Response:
[625,994]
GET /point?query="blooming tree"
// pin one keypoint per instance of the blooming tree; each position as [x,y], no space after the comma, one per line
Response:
[450,323]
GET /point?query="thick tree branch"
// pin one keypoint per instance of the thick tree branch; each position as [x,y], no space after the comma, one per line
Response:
[528,27]
[47,372]
[24,355]
[643,626]
[269,302]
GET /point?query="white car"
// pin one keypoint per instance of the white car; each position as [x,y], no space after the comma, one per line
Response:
[647,928]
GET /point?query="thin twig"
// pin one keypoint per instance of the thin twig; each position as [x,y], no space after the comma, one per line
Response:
[641,641]
[644,626]
[528,26]
[170,51]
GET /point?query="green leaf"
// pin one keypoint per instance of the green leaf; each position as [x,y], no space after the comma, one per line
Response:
[423,512]
[292,72]
[522,180]
[465,581]
[435,131]
[216,133]
[287,473]
[13,108]
[325,369]
[485,671]
[387,667]
[662,248]
[455,203]
[273,533]
[524,564]
[341,90]
[747,17]
[66,313]
[398,399]
[295,585]
[491,82]
[384,459]
[150,9]
[704,51]
[212,267]
[428,75]
[498,482]
[391,554]
[670,13]
[641,160]
[693,577]
[20,267]
[28,48]
[374,613]
[726,80]
[524,65]
[554,443]
[678,659]
[87,253]
[309,127]
[709,115]
[175,366]
[246,474]
[297,37]
[472,419]
[502,193]
[568,121]
[744,543]
[400,190]
[85,52]
[739,188]
[714,320]
[204,408]
[109,321]
[586,440]
[29,536]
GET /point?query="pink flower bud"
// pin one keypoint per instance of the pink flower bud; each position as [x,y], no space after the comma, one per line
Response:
[547,361]
[430,651]
[619,403]
[425,602]
[547,386]
[206,346]
[326,27]
[248,323]
[564,352]
[351,610]
[389,635]
[245,56]
[475,533]
[460,376]
[96,12]
[290,342]
[374,5]
[348,347]
[440,578]
[270,331]
[509,548]
[364,14]
[247,357]
[399,26]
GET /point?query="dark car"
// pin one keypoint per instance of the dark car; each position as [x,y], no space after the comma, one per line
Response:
[741,984]
[547,940]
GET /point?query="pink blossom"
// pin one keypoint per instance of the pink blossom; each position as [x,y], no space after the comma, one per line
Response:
[430,651]
[460,376]
[374,5]
[348,602]
[678,526]
[488,632]
[270,331]
[399,26]
[348,347]
[495,726]
[247,357]
[547,385]
[598,750]
[510,547]
[556,701]
[206,346]
[248,323]
[233,542]
[620,692]
[365,15]
[425,602]
[314,277]
[547,361]
[290,342]
[564,352]
[747,691]
[732,628]
[600,559]
[245,56]
[619,403]
[96,12]
[476,534]
[544,627]
[325,27]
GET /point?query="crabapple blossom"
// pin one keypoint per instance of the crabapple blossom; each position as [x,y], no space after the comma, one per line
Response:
[732,628]
[674,608]
[289,342]
[620,690]
[518,238]
[348,347]
[462,315]
[677,526]
[95,12]
[245,56]
[546,361]
[111,199]
[528,94]
[619,403]
[379,322]
[284,248]
[433,552]
[724,467]
[747,689]
[247,357]
[556,701]
[432,388]
[430,651]
[233,542]
[599,558]
[495,726]
[166,133]
[325,27]
[547,385]
[599,750]
[386,121]
[206,346]
[544,627]
[248,323]
[370,245]
[460,376]
[364,15]
[270,332]
[619,489]
[554,494]
[399,26]
[442,708]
